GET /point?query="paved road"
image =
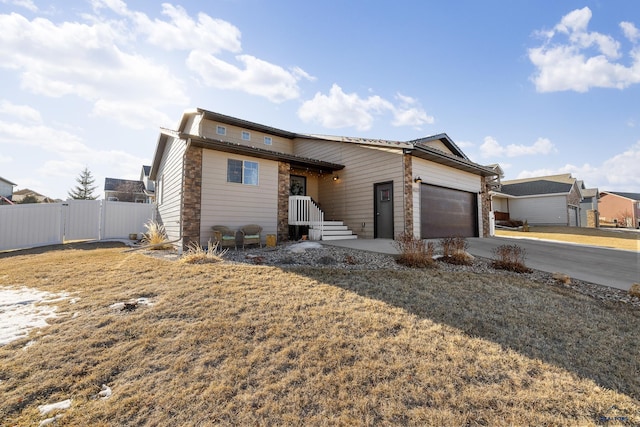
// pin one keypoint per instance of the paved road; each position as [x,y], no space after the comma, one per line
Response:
[609,267]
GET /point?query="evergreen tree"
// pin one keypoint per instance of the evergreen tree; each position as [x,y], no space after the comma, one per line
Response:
[84,191]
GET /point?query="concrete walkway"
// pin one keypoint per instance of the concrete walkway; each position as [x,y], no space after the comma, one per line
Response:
[602,266]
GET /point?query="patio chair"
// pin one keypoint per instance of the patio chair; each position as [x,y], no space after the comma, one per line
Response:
[251,235]
[224,236]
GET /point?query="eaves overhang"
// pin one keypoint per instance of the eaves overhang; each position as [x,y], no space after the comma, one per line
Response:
[298,162]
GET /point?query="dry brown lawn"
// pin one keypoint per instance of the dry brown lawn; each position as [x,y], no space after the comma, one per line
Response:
[618,238]
[254,345]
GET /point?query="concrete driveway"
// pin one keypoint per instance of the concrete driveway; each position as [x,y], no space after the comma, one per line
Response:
[602,266]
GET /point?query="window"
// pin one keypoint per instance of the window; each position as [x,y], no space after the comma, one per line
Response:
[221,130]
[267,140]
[242,172]
[246,135]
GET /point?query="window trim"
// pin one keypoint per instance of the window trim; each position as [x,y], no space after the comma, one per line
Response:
[245,135]
[268,140]
[221,130]
[244,167]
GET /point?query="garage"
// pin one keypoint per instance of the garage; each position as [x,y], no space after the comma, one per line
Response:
[445,212]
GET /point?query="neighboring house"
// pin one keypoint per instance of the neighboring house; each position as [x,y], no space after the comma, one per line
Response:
[624,208]
[6,191]
[545,200]
[124,190]
[220,170]
[149,185]
[20,195]
[589,211]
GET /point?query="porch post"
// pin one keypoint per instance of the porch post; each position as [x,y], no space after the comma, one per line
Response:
[192,196]
[284,182]
[408,192]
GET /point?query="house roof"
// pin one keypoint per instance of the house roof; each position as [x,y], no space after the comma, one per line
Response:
[27,192]
[417,147]
[232,147]
[541,186]
[632,196]
[7,181]
[562,178]
[124,185]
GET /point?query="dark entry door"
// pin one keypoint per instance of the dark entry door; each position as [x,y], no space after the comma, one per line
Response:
[445,212]
[383,214]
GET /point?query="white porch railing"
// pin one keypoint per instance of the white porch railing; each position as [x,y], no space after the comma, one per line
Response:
[303,211]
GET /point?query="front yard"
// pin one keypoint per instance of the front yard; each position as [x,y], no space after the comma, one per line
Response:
[255,345]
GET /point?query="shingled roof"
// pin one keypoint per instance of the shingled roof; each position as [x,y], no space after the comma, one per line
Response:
[536,187]
[632,196]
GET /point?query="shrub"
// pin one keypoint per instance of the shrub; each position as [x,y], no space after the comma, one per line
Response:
[196,254]
[156,236]
[414,252]
[511,258]
[454,250]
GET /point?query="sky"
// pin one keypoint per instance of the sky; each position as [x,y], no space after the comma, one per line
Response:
[539,87]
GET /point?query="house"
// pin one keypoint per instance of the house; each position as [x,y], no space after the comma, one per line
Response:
[6,191]
[621,209]
[20,195]
[149,185]
[589,210]
[545,200]
[124,190]
[220,170]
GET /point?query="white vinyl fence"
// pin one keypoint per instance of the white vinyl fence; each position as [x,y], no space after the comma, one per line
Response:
[41,224]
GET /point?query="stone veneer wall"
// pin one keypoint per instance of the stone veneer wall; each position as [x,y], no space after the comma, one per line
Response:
[408,193]
[592,218]
[192,196]
[485,205]
[284,182]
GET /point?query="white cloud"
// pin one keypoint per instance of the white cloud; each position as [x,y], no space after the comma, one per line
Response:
[255,76]
[492,148]
[618,173]
[339,109]
[27,4]
[410,113]
[568,66]
[21,112]
[85,60]
[630,31]
[5,159]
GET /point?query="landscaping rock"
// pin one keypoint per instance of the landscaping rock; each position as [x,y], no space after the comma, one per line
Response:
[562,278]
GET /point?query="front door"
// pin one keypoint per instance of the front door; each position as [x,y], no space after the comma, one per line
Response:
[298,185]
[383,210]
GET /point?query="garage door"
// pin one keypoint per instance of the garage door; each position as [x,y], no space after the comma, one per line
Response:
[445,212]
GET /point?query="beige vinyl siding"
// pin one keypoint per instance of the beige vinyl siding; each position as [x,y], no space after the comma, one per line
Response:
[544,210]
[350,199]
[235,204]
[234,134]
[192,127]
[500,204]
[445,176]
[438,145]
[170,179]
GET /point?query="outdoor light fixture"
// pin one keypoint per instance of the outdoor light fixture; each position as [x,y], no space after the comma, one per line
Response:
[336,177]
[418,180]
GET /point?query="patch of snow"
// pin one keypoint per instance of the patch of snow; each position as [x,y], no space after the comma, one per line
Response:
[49,421]
[22,310]
[105,393]
[45,409]
[298,248]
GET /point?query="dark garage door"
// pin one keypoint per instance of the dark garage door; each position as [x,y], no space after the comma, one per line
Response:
[446,212]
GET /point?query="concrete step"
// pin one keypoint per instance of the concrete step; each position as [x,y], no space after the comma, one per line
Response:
[335,228]
[336,232]
[340,237]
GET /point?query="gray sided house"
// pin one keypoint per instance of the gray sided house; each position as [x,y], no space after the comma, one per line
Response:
[220,170]
[6,191]
[546,200]
[124,190]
